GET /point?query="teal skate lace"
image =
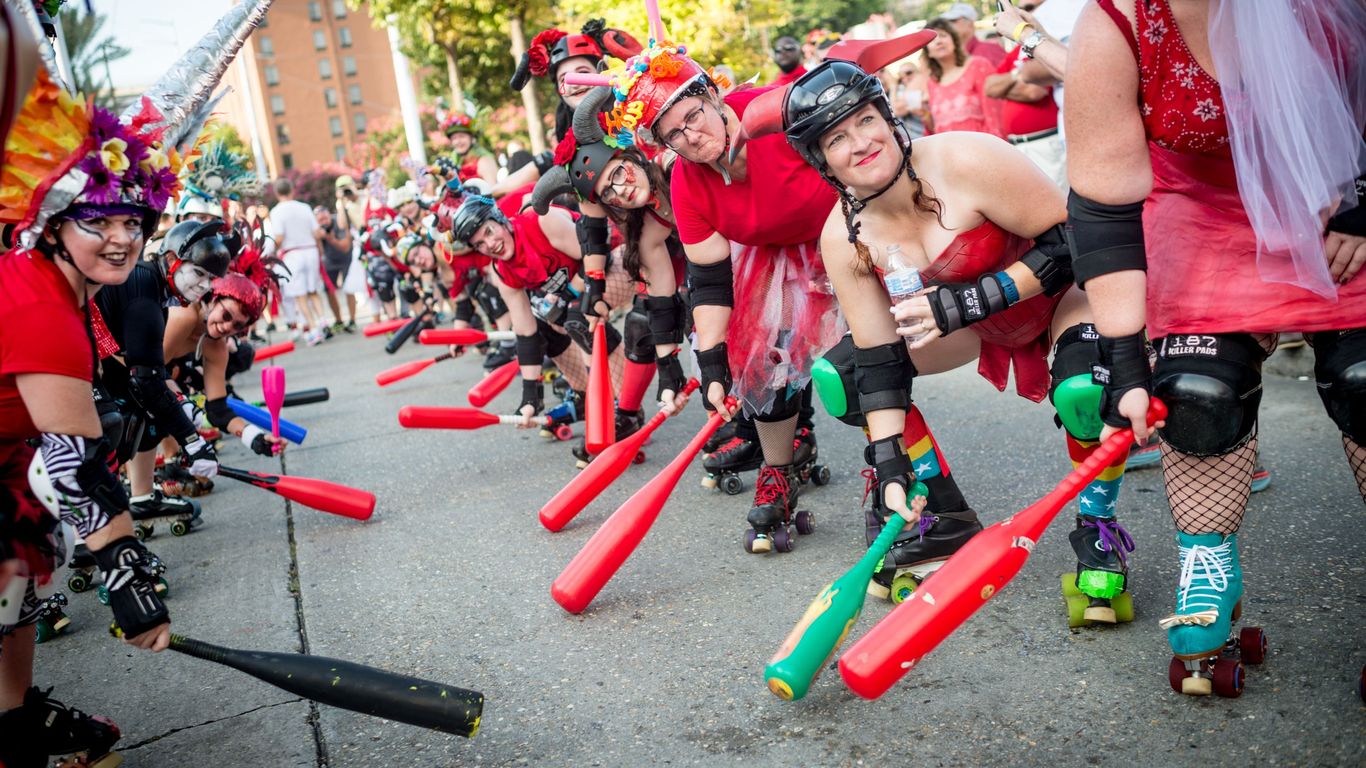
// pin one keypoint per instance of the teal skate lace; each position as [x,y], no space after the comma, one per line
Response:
[1204,577]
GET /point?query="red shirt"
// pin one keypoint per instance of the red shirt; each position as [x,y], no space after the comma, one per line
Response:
[42,330]
[535,259]
[1020,117]
[781,201]
[790,77]
[985,49]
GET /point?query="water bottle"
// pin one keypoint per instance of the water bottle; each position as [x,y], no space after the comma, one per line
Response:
[901,278]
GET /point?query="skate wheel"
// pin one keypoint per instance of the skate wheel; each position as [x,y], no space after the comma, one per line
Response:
[1076,610]
[709,482]
[44,632]
[564,433]
[639,459]
[820,475]
[179,528]
[1252,645]
[1228,678]
[732,485]
[102,594]
[1069,585]
[806,523]
[163,588]
[749,539]
[143,532]
[77,582]
[783,538]
[903,587]
[1124,607]
[1176,673]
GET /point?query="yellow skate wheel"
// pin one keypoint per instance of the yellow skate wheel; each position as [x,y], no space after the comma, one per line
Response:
[1124,607]
[1076,610]
[1069,585]
[903,587]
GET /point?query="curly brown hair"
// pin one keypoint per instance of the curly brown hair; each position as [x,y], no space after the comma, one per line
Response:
[922,199]
[959,54]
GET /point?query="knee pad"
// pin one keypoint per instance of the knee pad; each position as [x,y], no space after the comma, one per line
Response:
[785,406]
[1340,373]
[1212,385]
[640,341]
[555,342]
[833,377]
[464,310]
[122,428]
[1074,395]
[240,361]
[491,300]
[668,317]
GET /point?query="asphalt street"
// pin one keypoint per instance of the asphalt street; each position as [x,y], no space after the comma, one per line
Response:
[450,582]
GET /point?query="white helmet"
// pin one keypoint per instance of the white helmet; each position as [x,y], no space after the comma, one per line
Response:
[195,204]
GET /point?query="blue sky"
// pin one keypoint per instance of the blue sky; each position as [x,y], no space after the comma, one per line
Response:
[157,31]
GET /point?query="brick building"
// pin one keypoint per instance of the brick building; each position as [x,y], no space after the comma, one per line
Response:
[309,84]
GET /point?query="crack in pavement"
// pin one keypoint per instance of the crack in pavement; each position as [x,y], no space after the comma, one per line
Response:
[145,742]
[296,589]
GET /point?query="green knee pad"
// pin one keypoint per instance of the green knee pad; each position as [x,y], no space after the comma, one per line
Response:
[1077,400]
[836,391]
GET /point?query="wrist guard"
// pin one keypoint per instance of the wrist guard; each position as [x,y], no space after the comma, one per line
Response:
[86,492]
[254,438]
[130,577]
[712,285]
[1051,260]
[533,394]
[891,465]
[958,305]
[1104,238]
[595,285]
[714,365]
[530,350]
[1353,220]
[543,161]
[1123,366]
[202,457]
[667,315]
[670,373]
[883,376]
[594,234]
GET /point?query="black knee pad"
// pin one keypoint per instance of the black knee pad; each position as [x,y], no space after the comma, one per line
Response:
[1075,397]
[385,291]
[785,405]
[640,341]
[464,310]
[1212,386]
[1340,373]
[491,300]
[555,342]
[240,360]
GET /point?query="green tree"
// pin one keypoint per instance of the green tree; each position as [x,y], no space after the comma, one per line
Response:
[222,131]
[834,15]
[91,54]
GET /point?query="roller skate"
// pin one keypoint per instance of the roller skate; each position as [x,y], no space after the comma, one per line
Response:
[176,480]
[82,565]
[771,520]
[1206,657]
[500,355]
[44,728]
[720,437]
[183,514]
[804,457]
[1098,591]
[919,550]
[627,423]
[52,621]
[725,464]
[561,417]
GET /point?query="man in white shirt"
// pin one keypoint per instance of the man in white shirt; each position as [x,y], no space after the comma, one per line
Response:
[295,232]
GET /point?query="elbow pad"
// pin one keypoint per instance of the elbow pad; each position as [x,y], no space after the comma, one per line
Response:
[218,412]
[72,473]
[666,315]
[1353,220]
[1104,238]
[1051,260]
[883,376]
[594,234]
[712,285]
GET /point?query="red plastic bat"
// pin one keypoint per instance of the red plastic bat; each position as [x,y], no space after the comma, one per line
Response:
[598,561]
[384,326]
[604,470]
[321,495]
[274,350]
[600,429]
[436,417]
[970,578]
[493,384]
[401,372]
[462,336]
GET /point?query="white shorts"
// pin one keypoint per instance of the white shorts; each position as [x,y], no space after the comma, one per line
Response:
[355,277]
[305,273]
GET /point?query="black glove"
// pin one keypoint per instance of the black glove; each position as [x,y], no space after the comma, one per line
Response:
[203,459]
[594,288]
[254,438]
[131,579]
[888,459]
[1123,366]
[958,305]
[714,365]
[533,394]
[670,372]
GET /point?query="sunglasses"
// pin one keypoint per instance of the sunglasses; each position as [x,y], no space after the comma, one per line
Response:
[786,49]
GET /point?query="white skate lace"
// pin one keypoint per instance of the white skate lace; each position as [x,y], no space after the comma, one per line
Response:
[1204,575]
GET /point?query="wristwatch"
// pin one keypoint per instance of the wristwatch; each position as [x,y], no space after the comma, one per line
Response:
[1031,42]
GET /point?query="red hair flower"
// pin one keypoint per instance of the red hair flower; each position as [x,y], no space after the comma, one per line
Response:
[564,152]
[538,53]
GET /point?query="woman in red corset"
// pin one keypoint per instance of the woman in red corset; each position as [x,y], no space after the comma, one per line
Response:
[982,225]
[1216,161]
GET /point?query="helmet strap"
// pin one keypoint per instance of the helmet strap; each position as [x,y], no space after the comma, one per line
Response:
[856,205]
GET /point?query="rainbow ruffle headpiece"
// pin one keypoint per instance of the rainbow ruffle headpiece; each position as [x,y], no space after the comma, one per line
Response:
[458,122]
[219,174]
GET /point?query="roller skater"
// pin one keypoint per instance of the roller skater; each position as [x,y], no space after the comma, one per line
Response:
[1161,165]
[43,728]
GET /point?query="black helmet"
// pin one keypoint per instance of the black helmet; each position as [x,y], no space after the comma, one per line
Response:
[471,216]
[199,243]
[826,95]
[585,155]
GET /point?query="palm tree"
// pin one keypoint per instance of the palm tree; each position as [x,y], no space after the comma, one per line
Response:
[91,54]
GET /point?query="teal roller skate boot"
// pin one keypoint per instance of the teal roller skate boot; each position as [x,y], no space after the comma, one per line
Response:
[1208,602]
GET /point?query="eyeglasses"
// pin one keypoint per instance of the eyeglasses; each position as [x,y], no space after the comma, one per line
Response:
[692,122]
[786,49]
[618,184]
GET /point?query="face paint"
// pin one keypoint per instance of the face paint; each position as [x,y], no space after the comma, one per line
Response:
[102,248]
[191,282]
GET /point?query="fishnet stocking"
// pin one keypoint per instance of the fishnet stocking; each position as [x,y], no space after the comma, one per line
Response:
[1356,456]
[571,365]
[775,440]
[1209,494]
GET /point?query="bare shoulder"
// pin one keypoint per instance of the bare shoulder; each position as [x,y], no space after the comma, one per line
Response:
[963,160]
[835,246]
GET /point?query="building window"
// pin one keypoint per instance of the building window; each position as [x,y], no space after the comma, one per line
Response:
[339,153]
[315,10]
[330,96]
[360,122]
[272,74]
[319,40]
[349,65]
[325,68]
[345,36]
[339,9]
[353,93]
[335,124]
[267,47]
[277,105]
[287,160]
[282,133]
